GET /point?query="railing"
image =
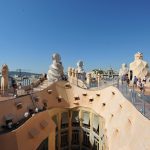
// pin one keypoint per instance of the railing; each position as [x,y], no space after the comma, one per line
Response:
[139,100]
[94,85]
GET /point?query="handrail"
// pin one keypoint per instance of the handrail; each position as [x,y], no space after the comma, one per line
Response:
[94,86]
[139,100]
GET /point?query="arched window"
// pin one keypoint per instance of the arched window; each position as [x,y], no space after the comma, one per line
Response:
[86,119]
[75,119]
[64,120]
[43,145]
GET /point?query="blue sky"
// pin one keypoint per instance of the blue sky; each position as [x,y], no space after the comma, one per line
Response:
[102,33]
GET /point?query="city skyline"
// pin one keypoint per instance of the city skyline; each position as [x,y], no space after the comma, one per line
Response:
[27,63]
[103,34]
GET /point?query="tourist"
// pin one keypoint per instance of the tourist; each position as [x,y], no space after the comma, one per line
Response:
[140,85]
[135,81]
[131,74]
[127,80]
[123,78]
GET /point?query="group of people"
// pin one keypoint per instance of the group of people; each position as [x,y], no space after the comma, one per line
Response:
[126,79]
[137,82]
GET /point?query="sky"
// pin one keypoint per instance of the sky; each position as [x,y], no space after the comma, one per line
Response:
[102,33]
